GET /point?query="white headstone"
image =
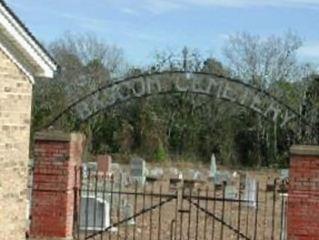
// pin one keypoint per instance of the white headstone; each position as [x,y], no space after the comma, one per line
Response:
[284,174]
[84,170]
[94,213]
[250,192]
[128,212]
[221,177]
[231,192]
[213,166]
[197,175]
[156,172]
[173,172]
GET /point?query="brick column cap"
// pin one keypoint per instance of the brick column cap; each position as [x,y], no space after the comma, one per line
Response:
[305,150]
[53,135]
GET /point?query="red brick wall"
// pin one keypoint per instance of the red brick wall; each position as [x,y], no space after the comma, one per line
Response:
[303,194]
[57,157]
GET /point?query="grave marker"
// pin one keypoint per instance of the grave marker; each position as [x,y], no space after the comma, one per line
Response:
[92,166]
[242,179]
[284,174]
[156,173]
[138,170]
[174,172]
[250,192]
[128,212]
[94,214]
[231,192]
[104,163]
[221,177]
[213,166]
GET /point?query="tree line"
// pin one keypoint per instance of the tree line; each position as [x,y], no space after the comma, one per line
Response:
[184,126]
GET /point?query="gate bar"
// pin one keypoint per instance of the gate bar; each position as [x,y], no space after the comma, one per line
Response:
[104,187]
[239,212]
[111,205]
[197,215]
[214,209]
[135,207]
[189,214]
[95,195]
[159,216]
[151,212]
[223,213]
[119,206]
[206,208]
[219,220]
[256,211]
[129,218]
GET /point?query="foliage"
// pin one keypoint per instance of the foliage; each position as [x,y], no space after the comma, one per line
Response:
[182,125]
[160,153]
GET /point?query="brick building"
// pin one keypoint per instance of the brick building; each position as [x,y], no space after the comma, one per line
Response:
[22,60]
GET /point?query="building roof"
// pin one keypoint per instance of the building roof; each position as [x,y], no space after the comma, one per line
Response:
[22,47]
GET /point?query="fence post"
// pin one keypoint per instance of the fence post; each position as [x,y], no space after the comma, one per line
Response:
[303,193]
[56,156]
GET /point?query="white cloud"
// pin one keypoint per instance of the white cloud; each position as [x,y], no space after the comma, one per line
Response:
[160,6]
[130,11]
[244,3]
[89,23]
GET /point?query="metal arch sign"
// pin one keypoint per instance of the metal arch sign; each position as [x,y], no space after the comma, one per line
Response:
[228,89]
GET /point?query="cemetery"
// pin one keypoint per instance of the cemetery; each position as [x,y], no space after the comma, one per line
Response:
[116,201]
[192,146]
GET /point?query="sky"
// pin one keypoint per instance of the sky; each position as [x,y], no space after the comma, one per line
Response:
[140,27]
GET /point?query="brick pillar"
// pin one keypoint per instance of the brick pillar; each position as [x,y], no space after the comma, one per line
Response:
[54,179]
[303,193]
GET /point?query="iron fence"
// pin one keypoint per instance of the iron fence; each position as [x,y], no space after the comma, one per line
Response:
[118,208]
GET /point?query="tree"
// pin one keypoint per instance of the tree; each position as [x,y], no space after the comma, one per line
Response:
[261,61]
[86,63]
[270,64]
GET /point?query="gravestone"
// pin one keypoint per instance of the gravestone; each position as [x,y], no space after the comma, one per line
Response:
[221,177]
[284,174]
[250,192]
[138,170]
[90,166]
[115,167]
[231,192]
[198,175]
[128,212]
[173,172]
[156,173]
[84,170]
[189,174]
[120,180]
[94,213]
[242,180]
[104,163]
[213,166]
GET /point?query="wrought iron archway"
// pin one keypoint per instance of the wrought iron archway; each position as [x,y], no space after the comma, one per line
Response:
[169,82]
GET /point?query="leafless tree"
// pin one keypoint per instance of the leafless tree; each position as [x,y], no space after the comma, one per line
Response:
[262,61]
[86,62]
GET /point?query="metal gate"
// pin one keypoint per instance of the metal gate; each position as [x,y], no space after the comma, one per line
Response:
[121,208]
